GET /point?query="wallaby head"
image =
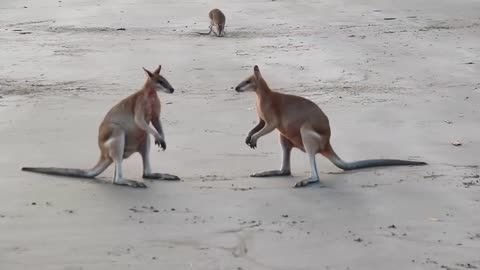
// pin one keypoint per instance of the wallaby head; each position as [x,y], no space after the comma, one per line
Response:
[251,83]
[157,81]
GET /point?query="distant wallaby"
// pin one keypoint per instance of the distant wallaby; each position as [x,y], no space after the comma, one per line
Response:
[217,19]
[124,131]
[301,124]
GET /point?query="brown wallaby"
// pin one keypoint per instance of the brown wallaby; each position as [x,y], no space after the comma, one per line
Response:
[302,125]
[124,131]
[217,19]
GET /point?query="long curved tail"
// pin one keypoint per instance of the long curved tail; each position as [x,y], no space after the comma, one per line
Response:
[91,173]
[347,166]
[200,33]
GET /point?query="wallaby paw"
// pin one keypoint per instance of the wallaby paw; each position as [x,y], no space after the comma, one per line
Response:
[252,143]
[161,142]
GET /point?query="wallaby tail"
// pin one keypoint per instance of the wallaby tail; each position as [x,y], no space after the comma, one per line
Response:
[91,173]
[347,166]
[209,32]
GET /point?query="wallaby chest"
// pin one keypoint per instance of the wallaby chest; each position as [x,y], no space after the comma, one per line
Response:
[266,110]
[151,106]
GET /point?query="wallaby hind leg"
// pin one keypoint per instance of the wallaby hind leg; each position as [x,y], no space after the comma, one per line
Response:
[147,170]
[214,29]
[115,146]
[221,31]
[285,168]
[312,142]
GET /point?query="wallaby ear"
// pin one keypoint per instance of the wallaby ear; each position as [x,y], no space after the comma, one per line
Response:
[157,71]
[148,72]
[256,71]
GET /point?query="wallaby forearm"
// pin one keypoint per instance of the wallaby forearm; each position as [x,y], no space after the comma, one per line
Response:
[143,125]
[157,124]
[257,128]
[140,121]
[264,131]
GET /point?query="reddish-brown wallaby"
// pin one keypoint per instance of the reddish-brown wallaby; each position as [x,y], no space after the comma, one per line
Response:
[124,131]
[303,125]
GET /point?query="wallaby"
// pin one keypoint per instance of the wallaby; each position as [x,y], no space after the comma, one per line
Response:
[217,19]
[301,124]
[124,131]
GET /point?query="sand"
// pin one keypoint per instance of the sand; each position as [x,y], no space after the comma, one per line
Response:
[398,79]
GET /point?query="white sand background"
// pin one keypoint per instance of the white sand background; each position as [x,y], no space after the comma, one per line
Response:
[398,88]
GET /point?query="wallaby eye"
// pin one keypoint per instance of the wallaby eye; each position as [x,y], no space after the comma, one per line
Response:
[248,81]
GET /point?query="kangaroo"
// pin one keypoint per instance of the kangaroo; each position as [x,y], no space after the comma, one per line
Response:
[217,18]
[303,125]
[124,131]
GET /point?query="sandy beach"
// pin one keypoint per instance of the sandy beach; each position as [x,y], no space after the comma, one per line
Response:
[397,79]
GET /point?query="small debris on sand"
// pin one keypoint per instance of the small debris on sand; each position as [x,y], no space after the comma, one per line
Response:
[456,143]
[243,189]
[433,176]
[471,183]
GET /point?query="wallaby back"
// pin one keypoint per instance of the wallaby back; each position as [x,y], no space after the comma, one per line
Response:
[217,18]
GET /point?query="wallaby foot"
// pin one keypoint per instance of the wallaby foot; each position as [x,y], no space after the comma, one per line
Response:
[311,141]
[161,176]
[308,181]
[272,173]
[130,183]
